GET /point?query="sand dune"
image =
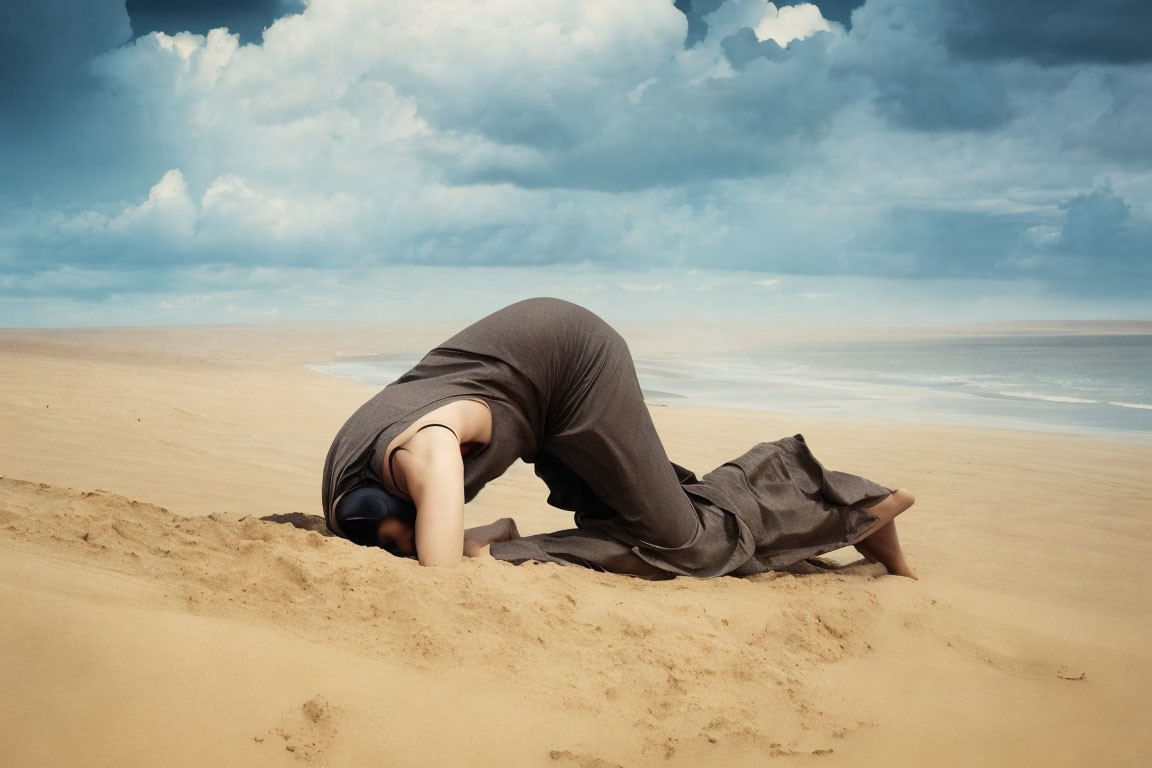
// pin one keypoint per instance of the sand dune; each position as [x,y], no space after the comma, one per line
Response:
[152,615]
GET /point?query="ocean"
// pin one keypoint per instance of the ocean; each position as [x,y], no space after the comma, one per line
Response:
[1097,385]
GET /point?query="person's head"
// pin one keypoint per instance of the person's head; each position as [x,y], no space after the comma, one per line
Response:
[372,517]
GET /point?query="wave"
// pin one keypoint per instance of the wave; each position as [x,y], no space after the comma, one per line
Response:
[1048,398]
[1141,406]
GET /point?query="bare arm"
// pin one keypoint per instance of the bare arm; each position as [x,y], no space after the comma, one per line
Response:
[434,471]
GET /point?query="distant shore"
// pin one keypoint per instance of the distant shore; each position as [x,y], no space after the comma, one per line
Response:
[1096,383]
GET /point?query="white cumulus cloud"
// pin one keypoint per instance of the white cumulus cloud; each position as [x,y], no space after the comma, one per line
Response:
[792,22]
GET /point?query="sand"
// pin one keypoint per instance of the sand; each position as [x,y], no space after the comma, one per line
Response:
[150,617]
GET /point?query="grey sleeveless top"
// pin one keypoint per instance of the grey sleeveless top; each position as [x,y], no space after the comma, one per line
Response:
[443,375]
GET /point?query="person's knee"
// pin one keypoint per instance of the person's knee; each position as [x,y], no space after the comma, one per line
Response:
[904,499]
[892,505]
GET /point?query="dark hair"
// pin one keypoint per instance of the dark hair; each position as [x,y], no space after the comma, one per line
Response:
[362,531]
[360,512]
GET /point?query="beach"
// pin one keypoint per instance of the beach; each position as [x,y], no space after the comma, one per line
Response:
[153,617]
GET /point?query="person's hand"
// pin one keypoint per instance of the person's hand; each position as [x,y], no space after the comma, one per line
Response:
[476,540]
[510,530]
[474,548]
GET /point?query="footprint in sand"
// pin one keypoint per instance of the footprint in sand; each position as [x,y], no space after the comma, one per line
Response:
[305,731]
[568,757]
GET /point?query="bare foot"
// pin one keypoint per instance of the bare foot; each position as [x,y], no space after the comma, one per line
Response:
[901,568]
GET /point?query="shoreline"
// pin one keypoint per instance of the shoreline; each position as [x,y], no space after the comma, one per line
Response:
[1103,434]
[792,397]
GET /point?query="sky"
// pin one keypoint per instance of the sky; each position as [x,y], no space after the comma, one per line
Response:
[908,161]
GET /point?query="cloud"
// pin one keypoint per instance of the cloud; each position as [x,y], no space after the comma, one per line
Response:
[822,139]
[697,12]
[790,23]
[694,12]
[1052,34]
[1094,246]
[916,84]
[1101,245]
[927,243]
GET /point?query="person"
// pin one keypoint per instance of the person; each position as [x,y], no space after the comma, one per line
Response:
[551,383]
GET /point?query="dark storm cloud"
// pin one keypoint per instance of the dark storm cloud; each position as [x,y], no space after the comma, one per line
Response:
[728,130]
[695,11]
[915,82]
[246,17]
[1051,33]
[1095,247]
[44,49]
[59,138]
[1101,245]
[911,242]
[742,46]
